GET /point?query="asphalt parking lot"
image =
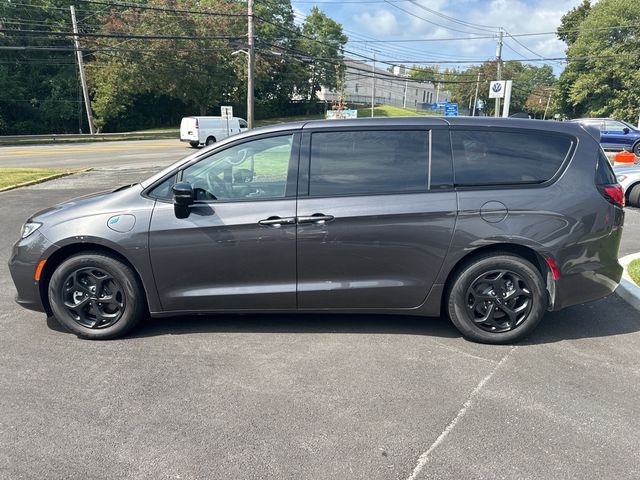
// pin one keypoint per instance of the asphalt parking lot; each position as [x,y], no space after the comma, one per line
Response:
[314,396]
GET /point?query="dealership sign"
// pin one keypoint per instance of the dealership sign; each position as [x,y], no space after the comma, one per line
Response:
[497,88]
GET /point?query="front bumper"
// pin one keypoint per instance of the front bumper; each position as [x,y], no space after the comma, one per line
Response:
[25,255]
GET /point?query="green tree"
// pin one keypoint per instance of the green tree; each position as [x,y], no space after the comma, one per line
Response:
[322,43]
[193,66]
[39,85]
[571,21]
[601,78]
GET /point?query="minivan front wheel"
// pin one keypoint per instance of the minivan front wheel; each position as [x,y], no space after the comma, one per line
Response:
[210,141]
[497,298]
[96,296]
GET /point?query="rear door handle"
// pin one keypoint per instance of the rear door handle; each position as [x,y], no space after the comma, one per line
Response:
[316,218]
[277,221]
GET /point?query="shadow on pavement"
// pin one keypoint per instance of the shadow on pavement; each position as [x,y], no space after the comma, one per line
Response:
[607,317]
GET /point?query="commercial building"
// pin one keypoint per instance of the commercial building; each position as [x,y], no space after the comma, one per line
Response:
[391,88]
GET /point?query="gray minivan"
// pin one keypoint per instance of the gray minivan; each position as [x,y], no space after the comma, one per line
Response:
[489,221]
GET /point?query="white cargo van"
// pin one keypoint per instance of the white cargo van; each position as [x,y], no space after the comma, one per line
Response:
[207,130]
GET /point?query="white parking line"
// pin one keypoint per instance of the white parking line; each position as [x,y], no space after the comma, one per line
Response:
[424,458]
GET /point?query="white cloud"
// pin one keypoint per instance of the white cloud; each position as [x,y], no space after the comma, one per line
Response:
[382,22]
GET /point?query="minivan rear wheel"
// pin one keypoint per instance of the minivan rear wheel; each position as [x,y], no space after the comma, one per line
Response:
[96,296]
[498,298]
[210,141]
[194,144]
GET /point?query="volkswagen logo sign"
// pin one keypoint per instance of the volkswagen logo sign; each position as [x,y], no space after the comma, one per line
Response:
[496,87]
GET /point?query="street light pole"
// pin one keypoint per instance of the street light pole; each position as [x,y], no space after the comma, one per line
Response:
[251,65]
[373,85]
[475,97]
[499,72]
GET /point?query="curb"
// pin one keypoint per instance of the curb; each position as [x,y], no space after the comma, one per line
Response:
[627,289]
[43,179]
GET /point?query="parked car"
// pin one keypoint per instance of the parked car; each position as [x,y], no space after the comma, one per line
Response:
[208,130]
[489,221]
[629,177]
[615,134]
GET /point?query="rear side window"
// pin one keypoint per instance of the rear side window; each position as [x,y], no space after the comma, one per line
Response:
[504,158]
[369,162]
[604,172]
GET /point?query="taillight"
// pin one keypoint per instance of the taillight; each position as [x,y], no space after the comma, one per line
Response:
[613,193]
[197,126]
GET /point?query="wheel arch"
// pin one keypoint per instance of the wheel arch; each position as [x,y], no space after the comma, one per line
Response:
[519,250]
[66,251]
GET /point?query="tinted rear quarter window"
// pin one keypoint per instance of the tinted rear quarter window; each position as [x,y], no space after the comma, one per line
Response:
[483,157]
[604,172]
[377,161]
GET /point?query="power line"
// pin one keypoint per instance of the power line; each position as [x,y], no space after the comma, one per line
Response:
[138,6]
[426,20]
[490,28]
[118,35]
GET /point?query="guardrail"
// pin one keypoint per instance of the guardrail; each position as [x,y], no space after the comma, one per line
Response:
[97,137]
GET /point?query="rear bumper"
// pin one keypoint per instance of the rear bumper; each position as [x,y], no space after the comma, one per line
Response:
[586,286]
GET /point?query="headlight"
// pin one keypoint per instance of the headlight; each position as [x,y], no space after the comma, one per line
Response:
[28,228]
[621,178]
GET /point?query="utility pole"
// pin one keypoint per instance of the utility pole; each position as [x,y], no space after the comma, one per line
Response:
[251,66]
[83,80]
[437,92]
[499,75]
[544,117]
[373,84]
[475,97]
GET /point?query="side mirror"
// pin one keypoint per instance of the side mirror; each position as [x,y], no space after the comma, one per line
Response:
[183,198]
[625,130]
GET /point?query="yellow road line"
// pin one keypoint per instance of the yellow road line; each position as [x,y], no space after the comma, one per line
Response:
[66,150]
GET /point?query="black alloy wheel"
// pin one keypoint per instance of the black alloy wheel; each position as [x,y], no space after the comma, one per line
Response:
[96,295]
[499,301]
[93,297]
[496,298]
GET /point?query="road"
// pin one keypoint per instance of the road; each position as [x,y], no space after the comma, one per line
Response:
[313,396]
[127,154]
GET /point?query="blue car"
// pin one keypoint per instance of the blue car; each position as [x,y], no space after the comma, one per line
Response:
[615,134]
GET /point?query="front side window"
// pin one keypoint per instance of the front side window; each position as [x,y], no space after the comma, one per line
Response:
[368,162]
[503,158]
[256,169]
[243,124]
[613,126]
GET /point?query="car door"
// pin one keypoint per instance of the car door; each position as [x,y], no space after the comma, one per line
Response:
[236,249]
[376,211]
[614,133]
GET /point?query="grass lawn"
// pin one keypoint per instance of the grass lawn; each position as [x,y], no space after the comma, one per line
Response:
[10,177]
[634,271]
[388,111]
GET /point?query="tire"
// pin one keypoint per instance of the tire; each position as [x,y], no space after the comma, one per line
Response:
[194,144]
[634,196]
[81,281]
[210,141]
[472,297]
[636,149]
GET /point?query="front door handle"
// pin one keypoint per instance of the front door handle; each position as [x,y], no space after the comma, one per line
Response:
[316,218]
[277,221]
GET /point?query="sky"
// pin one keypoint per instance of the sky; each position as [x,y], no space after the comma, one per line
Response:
[390,20]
